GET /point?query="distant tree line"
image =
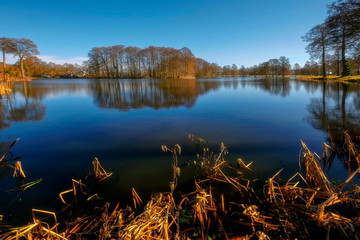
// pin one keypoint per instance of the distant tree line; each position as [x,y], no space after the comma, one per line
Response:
[334,48]
[337,40]
[30,65]
[132,62]
[276,67]
[152,62]
[36,67]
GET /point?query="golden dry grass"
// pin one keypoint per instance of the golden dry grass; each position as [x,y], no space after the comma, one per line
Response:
[223,205]
[4,88]
[354,79]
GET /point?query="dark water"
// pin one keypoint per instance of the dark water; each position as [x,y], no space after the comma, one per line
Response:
[63,124]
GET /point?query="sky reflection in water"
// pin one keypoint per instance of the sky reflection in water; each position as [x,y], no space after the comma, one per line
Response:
[63,124]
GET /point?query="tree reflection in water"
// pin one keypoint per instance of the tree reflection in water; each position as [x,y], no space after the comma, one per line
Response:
[153,93]
[337,111]
[260,132]
[20,106]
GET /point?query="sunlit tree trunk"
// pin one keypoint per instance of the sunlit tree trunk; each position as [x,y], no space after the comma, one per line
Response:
[3,66]
[22,68]
[4,62]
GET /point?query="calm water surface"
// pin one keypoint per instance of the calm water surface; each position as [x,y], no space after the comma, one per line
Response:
[63,124]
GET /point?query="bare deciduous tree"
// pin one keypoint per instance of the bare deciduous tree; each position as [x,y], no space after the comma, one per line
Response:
[344,26]
[132,62]
[318,42]
[24,48]
[7,45]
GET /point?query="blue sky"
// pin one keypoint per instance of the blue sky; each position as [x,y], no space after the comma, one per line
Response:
[244,32]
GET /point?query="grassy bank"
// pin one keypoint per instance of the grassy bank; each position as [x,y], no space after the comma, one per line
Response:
[9,78]
[222,204]
[317,78]
[353,79]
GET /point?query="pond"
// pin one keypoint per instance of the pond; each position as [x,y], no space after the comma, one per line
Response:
[64,123]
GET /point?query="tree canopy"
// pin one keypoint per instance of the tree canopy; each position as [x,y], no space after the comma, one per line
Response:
[339,35]
[22,48]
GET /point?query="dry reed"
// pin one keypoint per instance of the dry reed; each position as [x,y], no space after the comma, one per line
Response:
[223,205]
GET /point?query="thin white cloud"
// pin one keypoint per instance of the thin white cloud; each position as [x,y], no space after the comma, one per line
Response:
[10,59]
[57,60]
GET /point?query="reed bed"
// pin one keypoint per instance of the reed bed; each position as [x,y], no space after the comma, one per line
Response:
[9,78]
[223,204]
[4,89]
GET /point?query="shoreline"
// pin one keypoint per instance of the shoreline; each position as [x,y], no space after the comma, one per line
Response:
[349,79]
[8,78]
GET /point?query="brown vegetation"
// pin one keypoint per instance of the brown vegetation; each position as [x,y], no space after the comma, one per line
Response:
[131,62]
[20,47]
[224,204]
[345,79]
[4,89]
